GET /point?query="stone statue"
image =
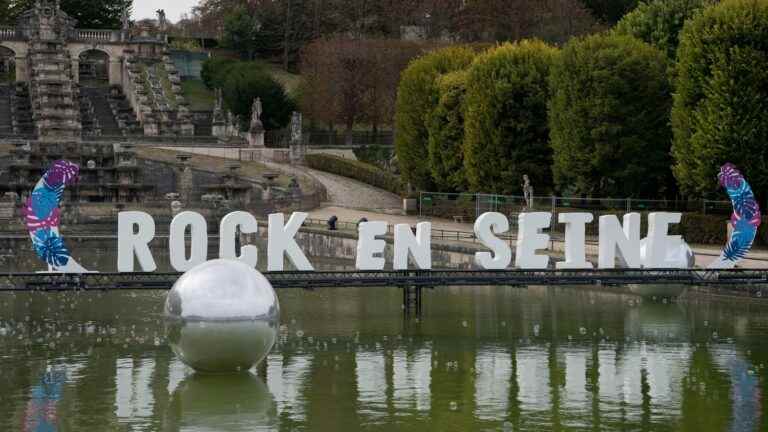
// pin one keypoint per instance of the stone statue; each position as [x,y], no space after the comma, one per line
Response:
[527,192]
[125,19]
[296,126]
[256,111]
[219,100]
[161,20]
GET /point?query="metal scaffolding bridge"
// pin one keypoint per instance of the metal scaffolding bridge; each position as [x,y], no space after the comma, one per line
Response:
[741,279]
[748,283]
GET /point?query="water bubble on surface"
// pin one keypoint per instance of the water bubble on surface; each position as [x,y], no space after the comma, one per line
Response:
[464,324]
[582,331]
[453,406]
[299,333]
[536,329]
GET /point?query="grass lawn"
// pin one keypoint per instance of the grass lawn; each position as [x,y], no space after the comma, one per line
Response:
[198,95]
[252,170]
[290,81]
[201,98]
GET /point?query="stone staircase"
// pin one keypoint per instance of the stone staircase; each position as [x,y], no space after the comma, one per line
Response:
[53,93]
[203,121]
[6,114]
[21,110]
[123,113]
[96,112]
[155,90]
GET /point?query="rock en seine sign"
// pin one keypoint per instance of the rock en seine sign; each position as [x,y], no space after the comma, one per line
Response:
[137,229]
[619,240]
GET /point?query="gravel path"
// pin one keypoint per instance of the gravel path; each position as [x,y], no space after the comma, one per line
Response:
[347,193]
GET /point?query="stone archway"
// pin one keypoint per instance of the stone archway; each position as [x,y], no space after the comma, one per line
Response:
[7,65]
[111,54]
[94,68]
[17,58]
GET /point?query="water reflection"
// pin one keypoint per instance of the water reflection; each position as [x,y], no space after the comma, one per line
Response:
[221,403]
[479,359]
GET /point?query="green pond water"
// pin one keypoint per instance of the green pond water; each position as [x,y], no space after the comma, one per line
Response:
[483,358]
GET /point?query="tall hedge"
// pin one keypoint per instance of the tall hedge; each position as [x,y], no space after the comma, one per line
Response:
[215,71]
[659,22]
[417,96]
[361,171]
[446,133]
[244,83]
[721,97]
[609,116]
[506,133]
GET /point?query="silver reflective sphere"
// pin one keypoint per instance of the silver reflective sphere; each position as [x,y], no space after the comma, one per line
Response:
[222,317]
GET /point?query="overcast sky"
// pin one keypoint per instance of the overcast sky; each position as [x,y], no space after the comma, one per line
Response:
[173,8]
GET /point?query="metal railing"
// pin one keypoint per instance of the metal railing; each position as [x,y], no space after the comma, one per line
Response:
[746,282]
[437,233]
[471,206]
[281,139]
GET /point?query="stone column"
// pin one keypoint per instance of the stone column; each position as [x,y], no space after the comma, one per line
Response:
[184,179]
[297,150]
[22,71]
[115,72]
[75,70]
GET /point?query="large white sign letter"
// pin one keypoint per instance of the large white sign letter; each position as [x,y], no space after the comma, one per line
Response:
[134,232]
[530,239]
[281,242]
[419,246]
[659,243]
[249,255]
[368,246]
[625,240]
[575,241]
[177,243]
[486,228]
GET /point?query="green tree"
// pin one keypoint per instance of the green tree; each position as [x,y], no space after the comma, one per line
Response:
[610,11]
[609,118]
[506,118]
[244,83]
[102,14]
[416,97]
[719,112]
[241,33]
[446,133]
[659,22]
[215,71]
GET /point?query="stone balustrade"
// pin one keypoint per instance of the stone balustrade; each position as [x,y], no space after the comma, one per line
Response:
[97,35]
[8,33]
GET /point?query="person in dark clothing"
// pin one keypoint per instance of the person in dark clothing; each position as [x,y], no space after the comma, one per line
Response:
[332,221]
